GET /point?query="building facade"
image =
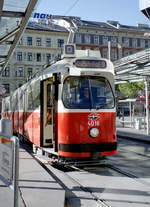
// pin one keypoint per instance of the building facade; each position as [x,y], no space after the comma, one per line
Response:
[43,42]
[39,45]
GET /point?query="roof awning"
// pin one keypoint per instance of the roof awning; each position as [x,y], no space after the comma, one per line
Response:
[14,15]
[133,68]
[145,7]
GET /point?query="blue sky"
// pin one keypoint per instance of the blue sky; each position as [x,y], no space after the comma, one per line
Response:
[125,11]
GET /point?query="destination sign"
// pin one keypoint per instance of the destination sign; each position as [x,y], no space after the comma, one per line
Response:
[86,63]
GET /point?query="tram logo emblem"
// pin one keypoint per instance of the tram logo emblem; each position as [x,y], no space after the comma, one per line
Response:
[93,120]
[93,116]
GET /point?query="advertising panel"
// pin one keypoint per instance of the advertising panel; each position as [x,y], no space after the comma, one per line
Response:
[6,162]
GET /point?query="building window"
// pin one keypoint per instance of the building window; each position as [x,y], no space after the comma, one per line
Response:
[105,40]
[38,41]
[125,41]
[126,53]
[29,72]
[87,39]
[142,43]
[29,40]
[48,58]
[19,56]
[60,42]
[147,43]
[134,42]
[19,72]
[138,43]
[29,56]
[6,72]
[48,42]
[96,39]
[7,88]
[105,53]
[20,42]
[38,57]
[78,38]
[113,40]
[113,54]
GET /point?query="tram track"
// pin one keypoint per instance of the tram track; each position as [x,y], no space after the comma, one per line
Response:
[103,202]
[61,173]
[122,172]
[128,174]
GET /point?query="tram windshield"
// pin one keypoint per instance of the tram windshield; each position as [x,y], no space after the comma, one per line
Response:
[87,93]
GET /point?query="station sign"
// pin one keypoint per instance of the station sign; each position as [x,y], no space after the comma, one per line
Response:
[42,16]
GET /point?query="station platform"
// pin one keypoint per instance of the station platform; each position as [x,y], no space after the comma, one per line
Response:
[37,188]
[128,131]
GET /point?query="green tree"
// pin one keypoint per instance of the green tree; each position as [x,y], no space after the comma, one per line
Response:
[131,89]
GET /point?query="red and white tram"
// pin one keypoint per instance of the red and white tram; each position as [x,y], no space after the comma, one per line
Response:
[68,107]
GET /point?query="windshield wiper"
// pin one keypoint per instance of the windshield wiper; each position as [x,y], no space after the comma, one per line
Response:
[101,106]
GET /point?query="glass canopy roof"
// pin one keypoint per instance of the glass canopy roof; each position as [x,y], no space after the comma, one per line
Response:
[133,68]
[14,15]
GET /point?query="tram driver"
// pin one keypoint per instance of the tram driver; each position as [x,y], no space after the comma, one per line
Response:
[84,101]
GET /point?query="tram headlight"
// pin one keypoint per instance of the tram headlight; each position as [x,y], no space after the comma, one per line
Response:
[94,132]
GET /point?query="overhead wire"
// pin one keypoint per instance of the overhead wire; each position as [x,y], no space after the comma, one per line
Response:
[71,7]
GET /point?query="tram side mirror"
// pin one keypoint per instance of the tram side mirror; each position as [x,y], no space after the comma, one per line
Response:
[56,78]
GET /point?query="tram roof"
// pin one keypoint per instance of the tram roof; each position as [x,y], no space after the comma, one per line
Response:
[133,68]
[14,15]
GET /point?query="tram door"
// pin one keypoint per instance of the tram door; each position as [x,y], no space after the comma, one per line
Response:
[47,113]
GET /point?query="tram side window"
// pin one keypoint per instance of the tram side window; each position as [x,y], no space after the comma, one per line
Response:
[36,95]
[49,99]
[15,102]
[30,99]
[21,100]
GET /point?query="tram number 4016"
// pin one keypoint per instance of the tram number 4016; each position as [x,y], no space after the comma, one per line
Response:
[93,123]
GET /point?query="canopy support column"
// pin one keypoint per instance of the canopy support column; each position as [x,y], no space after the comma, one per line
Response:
[147,104]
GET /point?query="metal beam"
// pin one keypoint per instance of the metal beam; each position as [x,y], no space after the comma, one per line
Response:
[7,42]
[132,60]
[13,14]
[3,56]
[2,62]
[11,34]
[1,8]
